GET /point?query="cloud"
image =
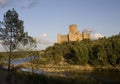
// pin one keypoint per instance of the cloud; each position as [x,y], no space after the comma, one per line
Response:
[44,35]
[2,47]
[96,36]
[19,3]
[3,2]
[29,3]
[93,33]
[43,39]
[88,30]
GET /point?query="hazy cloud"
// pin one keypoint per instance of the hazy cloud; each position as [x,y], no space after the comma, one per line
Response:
[93,33]
[3,2]
[44,35]
[19,3]
[96,36]
[88,30]
[2,48]
[43,39]
[29,3]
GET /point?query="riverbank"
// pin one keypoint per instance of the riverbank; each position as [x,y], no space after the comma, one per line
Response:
[58,68]
[56,74]
[26,78]
[64,68]
[107,68]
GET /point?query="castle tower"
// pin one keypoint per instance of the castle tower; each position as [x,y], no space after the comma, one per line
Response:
[73,32]
[73,35]
[73,28]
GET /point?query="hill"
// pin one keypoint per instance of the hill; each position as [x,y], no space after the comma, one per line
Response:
[104,51]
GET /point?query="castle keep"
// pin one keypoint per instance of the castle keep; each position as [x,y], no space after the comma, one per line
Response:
[73,35]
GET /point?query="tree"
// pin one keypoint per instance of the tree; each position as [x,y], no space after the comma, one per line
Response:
[30,48]
[12,33]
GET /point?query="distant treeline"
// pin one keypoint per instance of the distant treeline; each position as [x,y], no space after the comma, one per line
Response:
[17,54]
[104,51]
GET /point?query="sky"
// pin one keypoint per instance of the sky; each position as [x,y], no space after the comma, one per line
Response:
[44,19]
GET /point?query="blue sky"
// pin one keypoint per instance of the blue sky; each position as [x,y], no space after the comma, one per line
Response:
[44,19]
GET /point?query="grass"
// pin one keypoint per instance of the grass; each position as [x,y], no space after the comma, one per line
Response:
[58,68]
[107,68]
[70,77]
[27,78]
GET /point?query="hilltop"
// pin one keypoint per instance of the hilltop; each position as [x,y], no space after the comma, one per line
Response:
[104,51]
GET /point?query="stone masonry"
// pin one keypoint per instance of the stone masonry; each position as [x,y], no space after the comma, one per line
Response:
[73,35]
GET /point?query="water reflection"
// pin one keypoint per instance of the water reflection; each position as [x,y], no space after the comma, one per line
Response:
[34,71]
[102,77]
[16,62]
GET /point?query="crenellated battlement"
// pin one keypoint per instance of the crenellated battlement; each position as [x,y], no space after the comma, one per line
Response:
[73,35]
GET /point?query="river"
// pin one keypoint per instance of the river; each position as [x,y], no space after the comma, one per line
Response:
[23,60]
[107,77]
[18,61]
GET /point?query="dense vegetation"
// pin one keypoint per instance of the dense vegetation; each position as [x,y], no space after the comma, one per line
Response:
[18,54]
[104,51]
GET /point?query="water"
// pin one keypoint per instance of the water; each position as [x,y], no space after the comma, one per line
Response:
[100,77]
[34,71]
[16,62]
[19,61]
[103,77]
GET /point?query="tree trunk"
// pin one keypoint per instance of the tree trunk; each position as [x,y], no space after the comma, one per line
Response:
[9,58]
[10,51]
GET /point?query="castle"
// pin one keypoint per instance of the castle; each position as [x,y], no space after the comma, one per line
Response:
[73,35]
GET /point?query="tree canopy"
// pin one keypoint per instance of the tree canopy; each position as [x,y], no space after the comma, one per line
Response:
[104,51]
[12,33]
[12,29]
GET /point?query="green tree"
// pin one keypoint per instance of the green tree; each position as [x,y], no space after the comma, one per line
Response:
[12,33]
[113,50]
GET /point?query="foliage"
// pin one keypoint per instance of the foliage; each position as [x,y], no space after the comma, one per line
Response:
[104,51]
[12,33]
[12,30]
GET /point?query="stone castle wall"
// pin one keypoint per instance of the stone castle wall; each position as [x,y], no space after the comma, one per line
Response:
[62,38]
[73,35]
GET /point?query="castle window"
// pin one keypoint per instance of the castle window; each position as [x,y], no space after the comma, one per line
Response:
[76,33]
